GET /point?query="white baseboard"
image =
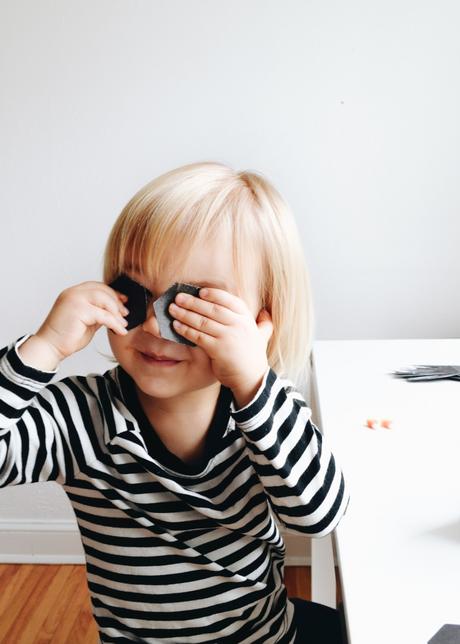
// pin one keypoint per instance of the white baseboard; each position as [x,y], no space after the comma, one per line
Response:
[51,542]
[292,560]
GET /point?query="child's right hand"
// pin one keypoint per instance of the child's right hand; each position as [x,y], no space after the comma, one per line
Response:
[78,312]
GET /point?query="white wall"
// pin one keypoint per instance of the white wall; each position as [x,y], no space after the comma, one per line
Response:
[351,109]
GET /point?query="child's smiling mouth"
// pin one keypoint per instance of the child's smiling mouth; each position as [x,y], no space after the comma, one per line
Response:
[163,361]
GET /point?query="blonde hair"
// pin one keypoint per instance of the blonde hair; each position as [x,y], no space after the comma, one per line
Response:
[188,205]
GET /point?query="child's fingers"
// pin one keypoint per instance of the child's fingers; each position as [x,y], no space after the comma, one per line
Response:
[106,300]
[107,309]
[112,321]
[224,298]
[106,296]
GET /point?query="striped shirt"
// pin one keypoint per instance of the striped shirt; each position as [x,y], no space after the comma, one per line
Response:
[175,552]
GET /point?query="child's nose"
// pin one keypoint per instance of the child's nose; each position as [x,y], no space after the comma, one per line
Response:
[150,324]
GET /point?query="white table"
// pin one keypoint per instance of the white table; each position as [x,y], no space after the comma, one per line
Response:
[398,545]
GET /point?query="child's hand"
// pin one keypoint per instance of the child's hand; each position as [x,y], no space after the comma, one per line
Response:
[223,326]
[78,312]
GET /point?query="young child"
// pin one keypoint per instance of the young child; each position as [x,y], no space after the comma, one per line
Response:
[179,460]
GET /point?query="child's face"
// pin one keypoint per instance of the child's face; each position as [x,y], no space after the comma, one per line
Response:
[210,265]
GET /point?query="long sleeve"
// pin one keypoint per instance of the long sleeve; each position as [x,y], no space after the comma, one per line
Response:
[305,486]
[34,444]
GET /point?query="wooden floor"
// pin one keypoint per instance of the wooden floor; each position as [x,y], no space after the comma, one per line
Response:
[46,603]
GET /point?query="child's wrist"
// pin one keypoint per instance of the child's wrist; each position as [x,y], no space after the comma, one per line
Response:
[38,353]
[244,395]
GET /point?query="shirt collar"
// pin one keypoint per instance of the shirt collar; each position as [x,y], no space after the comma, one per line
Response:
[141,435]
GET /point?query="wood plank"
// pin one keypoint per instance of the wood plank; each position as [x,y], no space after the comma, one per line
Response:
[84,629]
[17,585]
[297,580]
[78,601]
[37,579]
[43,602]
[56,628]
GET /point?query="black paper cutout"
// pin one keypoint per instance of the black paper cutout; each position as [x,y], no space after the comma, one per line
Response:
[139,298]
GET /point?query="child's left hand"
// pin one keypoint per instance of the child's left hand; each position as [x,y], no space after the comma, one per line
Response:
[224,327]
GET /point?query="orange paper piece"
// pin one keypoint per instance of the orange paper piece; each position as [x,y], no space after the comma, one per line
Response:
[372,423]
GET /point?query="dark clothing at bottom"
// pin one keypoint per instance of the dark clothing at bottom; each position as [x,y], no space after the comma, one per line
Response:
[317,623]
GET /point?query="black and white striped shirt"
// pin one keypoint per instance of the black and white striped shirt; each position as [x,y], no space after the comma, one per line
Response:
[175,552]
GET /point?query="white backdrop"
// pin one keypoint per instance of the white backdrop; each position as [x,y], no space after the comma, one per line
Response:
[351,109]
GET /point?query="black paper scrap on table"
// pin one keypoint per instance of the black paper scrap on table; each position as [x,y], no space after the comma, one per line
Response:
[139,298]
[448,634]
[419,373]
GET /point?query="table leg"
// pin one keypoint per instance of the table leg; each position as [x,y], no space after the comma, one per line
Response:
[323,585]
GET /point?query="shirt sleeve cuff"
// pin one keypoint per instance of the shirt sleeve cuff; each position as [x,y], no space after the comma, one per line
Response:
[21,372]
[258,401]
